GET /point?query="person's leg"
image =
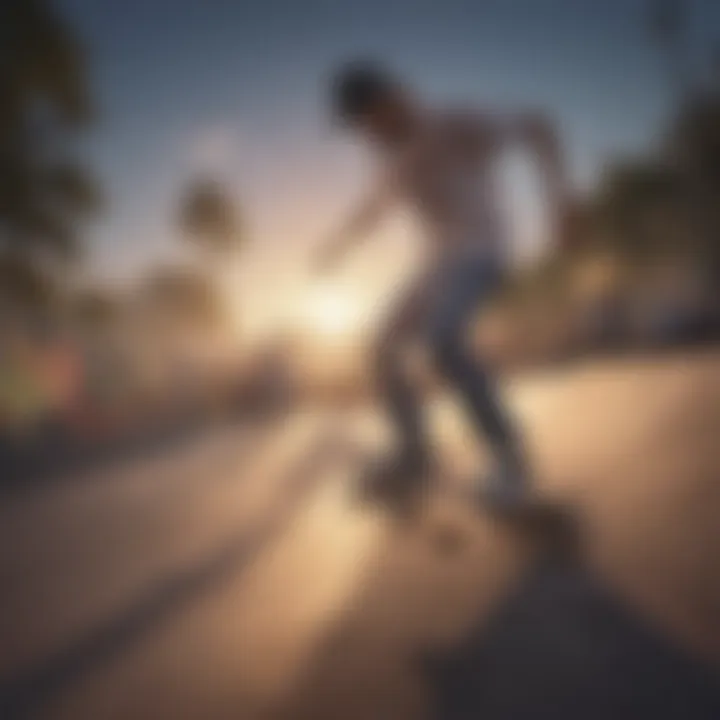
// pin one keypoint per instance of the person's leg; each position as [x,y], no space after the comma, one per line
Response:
[393,382]
[459,292]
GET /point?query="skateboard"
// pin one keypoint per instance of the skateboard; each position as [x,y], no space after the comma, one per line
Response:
[548,525]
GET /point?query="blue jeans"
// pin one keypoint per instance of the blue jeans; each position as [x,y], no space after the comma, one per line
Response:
[436,311]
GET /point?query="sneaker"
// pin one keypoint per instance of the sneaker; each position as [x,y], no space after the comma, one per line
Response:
[507,487]
[396,477]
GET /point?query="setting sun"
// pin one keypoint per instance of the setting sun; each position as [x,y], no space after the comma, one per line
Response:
[331,309]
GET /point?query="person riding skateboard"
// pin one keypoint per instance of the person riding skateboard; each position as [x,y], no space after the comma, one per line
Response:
[440,163]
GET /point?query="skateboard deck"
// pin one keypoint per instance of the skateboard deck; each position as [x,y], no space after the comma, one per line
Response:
[413,504]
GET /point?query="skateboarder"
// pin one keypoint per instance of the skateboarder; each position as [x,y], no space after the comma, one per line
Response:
[440,164]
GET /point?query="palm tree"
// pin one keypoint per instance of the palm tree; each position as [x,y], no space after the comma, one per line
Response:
[25,285]
[636,205]
[96,310]
[182,299]
[667,26]
[44,101]
[694,144]
[209,218]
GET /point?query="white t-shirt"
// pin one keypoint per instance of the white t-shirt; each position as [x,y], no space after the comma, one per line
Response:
[445,174]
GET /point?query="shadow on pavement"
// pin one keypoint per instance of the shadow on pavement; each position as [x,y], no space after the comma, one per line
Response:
[54,454]
[561,647]
[556,644]
[25,694]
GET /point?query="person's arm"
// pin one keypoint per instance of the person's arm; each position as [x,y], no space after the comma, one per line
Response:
[356,227]
[537,133]
[488,133]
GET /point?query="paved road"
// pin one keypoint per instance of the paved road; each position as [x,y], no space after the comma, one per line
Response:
[235,578]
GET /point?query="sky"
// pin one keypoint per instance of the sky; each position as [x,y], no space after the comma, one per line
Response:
[237,89]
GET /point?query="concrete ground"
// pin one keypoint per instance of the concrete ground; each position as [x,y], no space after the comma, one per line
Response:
[234,577]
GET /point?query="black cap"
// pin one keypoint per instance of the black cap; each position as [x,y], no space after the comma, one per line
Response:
[357,87]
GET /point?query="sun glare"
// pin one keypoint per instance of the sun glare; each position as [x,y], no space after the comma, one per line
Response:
[331,310]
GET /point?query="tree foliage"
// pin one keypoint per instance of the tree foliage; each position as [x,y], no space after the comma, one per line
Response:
[24,283]
[209,218]
[183,297]
[44,102]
